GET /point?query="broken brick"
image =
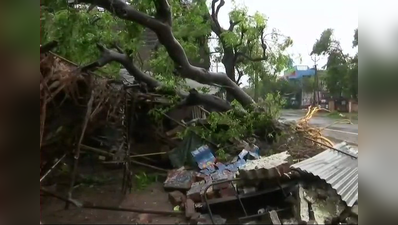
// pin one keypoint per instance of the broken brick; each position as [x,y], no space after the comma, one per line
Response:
[195,192]
[177,198]
[189,208]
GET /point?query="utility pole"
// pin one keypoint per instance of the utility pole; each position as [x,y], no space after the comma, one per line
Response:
[316,88]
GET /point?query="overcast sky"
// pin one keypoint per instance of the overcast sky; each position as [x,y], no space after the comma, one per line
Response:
[304,21]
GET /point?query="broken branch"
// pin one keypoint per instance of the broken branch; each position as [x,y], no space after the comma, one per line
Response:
[55,165]
[77,152]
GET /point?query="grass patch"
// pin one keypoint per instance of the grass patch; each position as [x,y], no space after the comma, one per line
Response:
[143,180]
[95,180]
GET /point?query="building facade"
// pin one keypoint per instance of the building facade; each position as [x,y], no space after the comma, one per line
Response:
[298,74]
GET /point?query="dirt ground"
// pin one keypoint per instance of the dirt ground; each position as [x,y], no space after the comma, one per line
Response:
[152,197]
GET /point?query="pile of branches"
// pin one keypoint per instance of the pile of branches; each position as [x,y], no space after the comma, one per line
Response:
[65,94]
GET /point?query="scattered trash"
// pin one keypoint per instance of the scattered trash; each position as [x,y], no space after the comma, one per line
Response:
[314,201]
[251,151]
[205,158]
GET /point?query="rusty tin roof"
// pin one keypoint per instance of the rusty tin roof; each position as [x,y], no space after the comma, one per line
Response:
[337,168]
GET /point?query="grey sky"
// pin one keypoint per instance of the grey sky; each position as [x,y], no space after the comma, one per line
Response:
[304,21]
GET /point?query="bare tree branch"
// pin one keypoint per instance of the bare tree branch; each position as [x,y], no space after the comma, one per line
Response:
[222,3]
[240,75]
[216,27]
[108,56]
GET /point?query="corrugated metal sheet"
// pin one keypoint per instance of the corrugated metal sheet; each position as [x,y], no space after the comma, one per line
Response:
[339,169]
[266,168]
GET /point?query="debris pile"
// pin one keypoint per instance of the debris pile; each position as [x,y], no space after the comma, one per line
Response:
[302,197]
[85,113]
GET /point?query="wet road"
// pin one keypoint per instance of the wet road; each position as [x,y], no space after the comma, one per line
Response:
[336,132]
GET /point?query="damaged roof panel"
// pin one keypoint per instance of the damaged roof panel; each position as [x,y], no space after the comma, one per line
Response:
[339,169]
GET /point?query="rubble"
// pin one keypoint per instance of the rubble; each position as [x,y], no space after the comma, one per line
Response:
[189,208]
[275,218]
[322,201]
[303,207]
[205,219]
[179,180]
[177,198]
[312,201]
[188,186]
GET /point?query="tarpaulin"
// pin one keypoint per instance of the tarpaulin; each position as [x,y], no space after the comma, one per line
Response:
[182,155]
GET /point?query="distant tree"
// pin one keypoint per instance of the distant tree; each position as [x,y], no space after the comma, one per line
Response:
[248,46]
[342,74]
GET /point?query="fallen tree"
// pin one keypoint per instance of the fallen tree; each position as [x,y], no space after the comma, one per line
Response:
[162,26]
[142,106]
[191,99]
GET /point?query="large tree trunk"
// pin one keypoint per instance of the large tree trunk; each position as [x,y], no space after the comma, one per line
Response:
[190,99]
[163,29]
[229,64]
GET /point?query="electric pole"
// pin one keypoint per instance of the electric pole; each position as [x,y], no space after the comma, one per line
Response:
[316,88]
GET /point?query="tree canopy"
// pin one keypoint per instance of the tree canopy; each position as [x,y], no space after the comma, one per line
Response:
[342,69]
[248,46]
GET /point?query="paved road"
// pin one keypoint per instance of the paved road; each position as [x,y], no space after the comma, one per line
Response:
[336,132]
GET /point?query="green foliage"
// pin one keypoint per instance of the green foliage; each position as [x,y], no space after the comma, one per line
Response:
[355,41]
[273,103]
[227,126]
[157,113]
[342,70]
[143,180]
[97,180]
[324,44]
[309,84]
[222,155]
[246,38]
[77,32]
